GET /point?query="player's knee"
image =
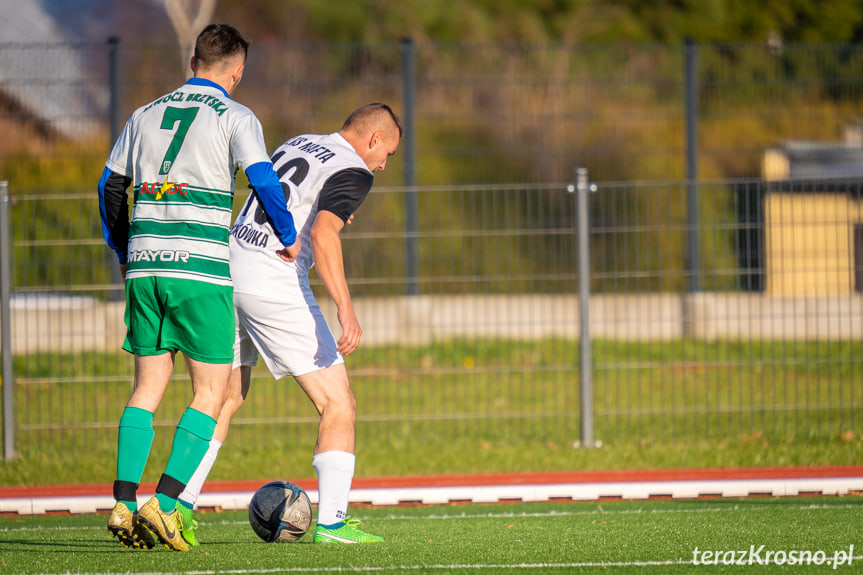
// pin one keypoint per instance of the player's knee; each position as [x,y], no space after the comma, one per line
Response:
[233,401]
[343,404]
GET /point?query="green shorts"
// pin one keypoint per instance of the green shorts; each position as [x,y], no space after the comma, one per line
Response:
[169,314]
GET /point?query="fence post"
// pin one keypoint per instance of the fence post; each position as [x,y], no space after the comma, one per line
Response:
[6,320]
[582,188]
[114,111]
[407,148]
[691,72]
[114,87]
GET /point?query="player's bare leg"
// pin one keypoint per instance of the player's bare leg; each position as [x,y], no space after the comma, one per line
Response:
[152,374]
[210,383]
[330,391]
[238,388]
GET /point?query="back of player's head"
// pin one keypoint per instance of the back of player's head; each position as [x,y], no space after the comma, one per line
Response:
[372,116]
[218,43]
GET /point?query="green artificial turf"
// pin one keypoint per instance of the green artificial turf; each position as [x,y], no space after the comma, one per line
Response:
[643,537]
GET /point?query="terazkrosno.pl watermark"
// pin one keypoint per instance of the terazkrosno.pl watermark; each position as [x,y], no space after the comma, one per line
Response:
[761,556]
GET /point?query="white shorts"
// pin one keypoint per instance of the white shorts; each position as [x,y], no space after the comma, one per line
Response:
[291,335]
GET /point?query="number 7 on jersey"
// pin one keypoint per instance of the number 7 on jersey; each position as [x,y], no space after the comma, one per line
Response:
[185,117]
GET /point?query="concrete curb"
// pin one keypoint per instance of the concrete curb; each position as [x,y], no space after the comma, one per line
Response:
[437,490]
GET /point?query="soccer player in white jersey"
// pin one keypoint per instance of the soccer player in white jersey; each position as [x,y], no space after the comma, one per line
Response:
[180,153]
[328,177]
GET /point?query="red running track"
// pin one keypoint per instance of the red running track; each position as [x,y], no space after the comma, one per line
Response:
[548,478]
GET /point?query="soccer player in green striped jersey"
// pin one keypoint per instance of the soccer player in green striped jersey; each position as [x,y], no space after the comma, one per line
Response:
[180,154]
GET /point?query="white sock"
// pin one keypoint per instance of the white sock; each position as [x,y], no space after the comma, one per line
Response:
[190,494]
[335,471]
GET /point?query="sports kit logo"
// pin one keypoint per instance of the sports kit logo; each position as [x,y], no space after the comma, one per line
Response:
[158,256]
[165,188]
[170,532]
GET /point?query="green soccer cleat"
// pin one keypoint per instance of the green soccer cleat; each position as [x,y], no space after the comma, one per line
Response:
[187,525]
[165,526]
[347,532]
[123,524]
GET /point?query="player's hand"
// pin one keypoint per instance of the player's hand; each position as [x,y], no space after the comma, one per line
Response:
[351,332]
[291,252]
[123,271]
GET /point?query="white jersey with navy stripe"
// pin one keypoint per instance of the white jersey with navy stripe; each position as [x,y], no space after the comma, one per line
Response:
[304,164]
[182,152]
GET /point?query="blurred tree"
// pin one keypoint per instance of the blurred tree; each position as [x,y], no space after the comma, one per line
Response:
[189,17]
[546,21]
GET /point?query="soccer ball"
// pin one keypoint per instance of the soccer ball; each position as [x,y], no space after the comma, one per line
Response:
[280,511]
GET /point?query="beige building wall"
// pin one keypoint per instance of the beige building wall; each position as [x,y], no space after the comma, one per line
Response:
[420,320]
[809,243]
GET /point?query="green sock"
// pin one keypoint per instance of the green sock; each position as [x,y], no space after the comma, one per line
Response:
[134,440]
[191,441]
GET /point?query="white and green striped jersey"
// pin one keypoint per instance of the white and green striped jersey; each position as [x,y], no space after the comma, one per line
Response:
[181,153]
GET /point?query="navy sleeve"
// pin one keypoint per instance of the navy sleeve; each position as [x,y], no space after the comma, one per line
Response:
[268,188]
[114,211]
[344,191]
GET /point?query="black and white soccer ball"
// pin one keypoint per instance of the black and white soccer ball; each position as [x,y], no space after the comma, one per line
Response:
[280,511]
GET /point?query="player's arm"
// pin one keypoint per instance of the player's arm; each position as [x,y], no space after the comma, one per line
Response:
[269,190]
[341,195]
[114,213]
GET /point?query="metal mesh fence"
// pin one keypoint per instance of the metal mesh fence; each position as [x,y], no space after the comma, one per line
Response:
[740,318]
[488,346]
[768,345]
